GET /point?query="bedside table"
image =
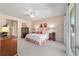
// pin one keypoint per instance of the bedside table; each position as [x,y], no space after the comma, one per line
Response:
[52,36]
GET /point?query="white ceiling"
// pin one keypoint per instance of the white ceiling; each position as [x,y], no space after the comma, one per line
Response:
[38,10]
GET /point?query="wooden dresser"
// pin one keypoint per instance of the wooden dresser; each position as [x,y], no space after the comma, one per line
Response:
[9,46]
[52,36]
[0,47]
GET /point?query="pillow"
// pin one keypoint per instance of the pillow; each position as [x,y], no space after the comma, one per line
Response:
[41,32]
[37,32]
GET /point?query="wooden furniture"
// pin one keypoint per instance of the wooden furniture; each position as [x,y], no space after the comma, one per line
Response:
[9,46]
[24,31]
[52,36]
[0,47]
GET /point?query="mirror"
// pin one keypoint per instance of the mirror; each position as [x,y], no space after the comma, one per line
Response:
[72,30]
[13,27]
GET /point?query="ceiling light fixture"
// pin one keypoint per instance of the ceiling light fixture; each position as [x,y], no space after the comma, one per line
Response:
[32,16]
[30,13]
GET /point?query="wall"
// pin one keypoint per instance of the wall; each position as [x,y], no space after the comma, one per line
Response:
[3,19]
[77,25]
[57,22]
[77,29]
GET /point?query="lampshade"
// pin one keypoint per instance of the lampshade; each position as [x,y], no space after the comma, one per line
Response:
[4,29]
[51,28]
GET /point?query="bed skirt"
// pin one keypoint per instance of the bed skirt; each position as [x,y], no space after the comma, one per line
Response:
[35,42]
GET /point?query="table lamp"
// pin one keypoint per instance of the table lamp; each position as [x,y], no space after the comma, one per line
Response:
[4,31]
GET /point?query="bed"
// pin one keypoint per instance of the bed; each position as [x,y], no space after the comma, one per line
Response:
[38,39]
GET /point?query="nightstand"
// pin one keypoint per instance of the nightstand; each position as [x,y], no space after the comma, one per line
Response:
[52,36]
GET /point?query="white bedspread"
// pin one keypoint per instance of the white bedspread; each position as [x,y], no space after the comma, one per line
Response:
[38,37]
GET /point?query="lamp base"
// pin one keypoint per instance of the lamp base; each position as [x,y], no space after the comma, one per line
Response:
[4,34]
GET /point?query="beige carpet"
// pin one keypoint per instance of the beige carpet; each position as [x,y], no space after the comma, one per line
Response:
[51,48]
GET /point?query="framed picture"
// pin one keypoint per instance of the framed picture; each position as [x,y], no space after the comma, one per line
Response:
[41,25]
[45,25]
